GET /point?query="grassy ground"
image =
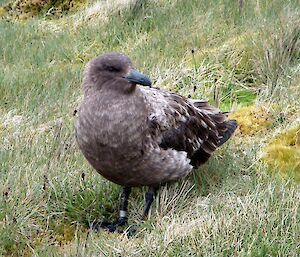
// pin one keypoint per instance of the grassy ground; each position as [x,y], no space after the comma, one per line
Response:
[242,55]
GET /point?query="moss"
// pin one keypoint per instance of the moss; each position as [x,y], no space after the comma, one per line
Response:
[63,233]
[283,153]
[3,12]
[253,119]
[24,9]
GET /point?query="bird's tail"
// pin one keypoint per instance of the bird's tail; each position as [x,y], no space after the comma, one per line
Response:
[231,127]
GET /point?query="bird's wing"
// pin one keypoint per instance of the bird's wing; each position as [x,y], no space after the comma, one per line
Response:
[186,125]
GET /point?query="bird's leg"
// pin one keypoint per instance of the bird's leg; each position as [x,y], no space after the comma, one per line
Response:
[122,219]
[149,198]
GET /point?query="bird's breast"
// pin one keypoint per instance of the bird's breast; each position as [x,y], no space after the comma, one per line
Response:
[110,133]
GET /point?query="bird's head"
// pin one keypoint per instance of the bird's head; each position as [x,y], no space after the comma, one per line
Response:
[114,69]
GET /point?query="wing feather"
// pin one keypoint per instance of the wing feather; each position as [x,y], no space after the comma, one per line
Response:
[186,125]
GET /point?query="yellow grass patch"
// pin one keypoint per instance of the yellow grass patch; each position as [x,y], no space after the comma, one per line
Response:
[252,119]
[283,153]
[2,12]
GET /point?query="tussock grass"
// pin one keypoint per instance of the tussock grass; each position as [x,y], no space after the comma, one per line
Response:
[242,56]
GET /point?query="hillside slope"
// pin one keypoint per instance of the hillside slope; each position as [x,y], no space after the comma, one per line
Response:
[241,55]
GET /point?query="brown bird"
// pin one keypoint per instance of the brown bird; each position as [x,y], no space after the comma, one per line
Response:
[142,136]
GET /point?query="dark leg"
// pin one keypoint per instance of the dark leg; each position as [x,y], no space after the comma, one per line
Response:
[122,219]
[124,206]
[149,198]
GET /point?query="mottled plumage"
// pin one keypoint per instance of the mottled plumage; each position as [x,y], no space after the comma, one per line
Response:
[137,136]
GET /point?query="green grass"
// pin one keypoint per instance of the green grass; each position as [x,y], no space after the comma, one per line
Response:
[234,205]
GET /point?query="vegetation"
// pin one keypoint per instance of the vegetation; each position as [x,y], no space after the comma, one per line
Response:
[241,55]
[23,9]
[283,153]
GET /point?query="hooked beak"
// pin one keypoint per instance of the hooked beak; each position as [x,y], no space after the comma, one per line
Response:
[136,77]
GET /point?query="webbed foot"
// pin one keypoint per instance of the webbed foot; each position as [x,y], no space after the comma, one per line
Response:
[110,226]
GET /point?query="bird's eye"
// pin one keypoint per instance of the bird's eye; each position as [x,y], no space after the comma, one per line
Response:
[112,69]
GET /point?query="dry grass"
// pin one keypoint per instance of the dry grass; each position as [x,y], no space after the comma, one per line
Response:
[244,59]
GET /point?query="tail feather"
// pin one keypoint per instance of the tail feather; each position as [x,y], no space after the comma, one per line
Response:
[232,126]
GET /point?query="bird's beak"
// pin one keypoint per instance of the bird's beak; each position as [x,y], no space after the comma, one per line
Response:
[138,78]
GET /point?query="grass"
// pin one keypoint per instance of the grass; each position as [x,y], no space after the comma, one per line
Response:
[242,57]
